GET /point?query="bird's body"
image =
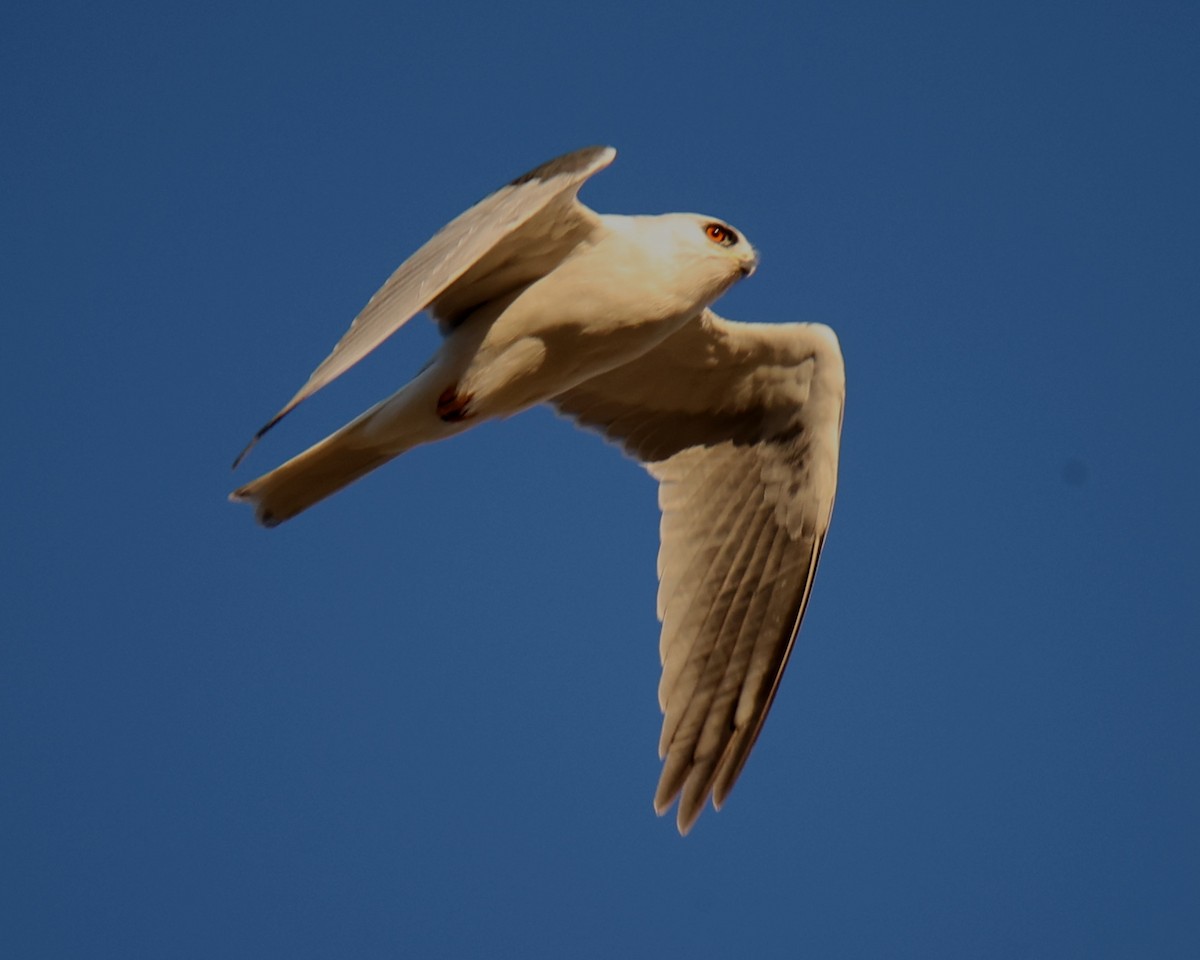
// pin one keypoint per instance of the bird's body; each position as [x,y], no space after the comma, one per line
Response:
[579,320]
[606,317]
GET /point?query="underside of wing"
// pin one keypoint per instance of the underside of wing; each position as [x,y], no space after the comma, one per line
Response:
[490,236]
[740,424]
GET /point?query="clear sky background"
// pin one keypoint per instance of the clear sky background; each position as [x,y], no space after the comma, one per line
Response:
[421,720]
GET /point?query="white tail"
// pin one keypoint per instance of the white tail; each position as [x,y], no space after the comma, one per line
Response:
[405,420]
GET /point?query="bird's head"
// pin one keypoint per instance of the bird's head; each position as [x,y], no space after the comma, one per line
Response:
[718,253]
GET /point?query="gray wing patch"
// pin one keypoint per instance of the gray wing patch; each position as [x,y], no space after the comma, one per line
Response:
[435,268]
[578,161]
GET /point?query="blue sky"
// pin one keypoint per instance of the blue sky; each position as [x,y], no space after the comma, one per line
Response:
[421,720]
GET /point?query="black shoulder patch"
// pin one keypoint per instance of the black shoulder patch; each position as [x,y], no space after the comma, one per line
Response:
[568,163]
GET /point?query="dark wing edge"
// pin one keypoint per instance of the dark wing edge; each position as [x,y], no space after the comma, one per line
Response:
[450,253]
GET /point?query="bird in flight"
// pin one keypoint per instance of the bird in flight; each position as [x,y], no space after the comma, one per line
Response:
[607,319]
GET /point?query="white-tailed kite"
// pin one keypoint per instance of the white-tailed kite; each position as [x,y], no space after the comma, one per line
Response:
[607,319]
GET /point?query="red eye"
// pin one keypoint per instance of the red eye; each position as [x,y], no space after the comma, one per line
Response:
[719,233]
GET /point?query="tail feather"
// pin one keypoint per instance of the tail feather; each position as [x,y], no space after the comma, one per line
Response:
[410,417]
[310,477]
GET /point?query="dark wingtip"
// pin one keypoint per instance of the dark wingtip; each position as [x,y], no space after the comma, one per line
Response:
[258,436]
[568,163]
[237,461]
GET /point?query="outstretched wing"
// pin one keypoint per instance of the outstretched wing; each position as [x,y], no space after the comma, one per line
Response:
[740,424]
[488,237]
